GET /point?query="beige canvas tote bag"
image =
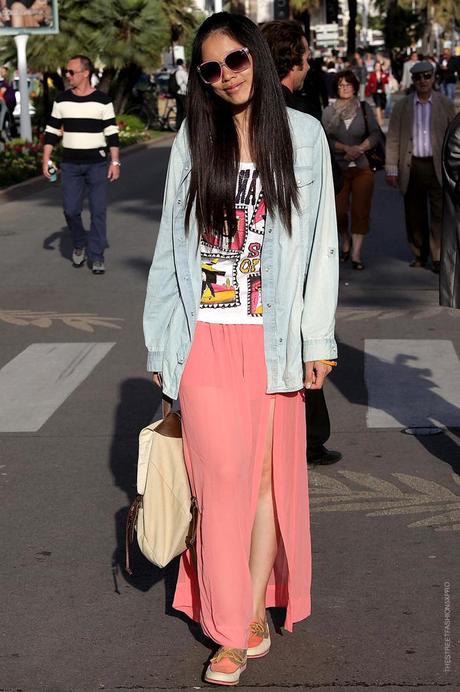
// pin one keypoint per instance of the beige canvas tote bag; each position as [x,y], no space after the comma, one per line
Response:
[164,512]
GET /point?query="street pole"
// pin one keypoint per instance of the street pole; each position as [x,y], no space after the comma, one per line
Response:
[25,123]
[217,5]
[365,26]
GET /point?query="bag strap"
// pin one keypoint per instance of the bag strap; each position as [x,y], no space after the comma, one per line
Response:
[366,121]
[166,405]
[131,521]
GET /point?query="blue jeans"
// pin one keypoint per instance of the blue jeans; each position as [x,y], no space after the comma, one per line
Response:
[448,90]
[76,178]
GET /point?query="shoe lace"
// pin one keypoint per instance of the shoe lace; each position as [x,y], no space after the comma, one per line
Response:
[258,628]
[238,656]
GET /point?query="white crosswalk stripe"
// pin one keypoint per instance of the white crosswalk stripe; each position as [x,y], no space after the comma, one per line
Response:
[35,383]
[412,382]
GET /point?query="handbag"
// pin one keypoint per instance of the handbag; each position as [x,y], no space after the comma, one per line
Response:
[376,155]
[164,513]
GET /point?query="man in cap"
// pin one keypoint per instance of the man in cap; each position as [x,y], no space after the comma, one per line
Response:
[413,161]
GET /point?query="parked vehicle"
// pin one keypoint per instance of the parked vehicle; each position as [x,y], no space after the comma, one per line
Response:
[162,81]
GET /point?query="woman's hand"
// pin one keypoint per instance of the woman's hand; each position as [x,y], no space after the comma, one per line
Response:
[157,379]
[315,374]
[353,152]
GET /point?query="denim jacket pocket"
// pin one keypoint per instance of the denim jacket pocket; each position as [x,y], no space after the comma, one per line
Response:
[304,179]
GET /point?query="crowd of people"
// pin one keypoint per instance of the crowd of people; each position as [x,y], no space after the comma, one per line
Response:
[235,102]
[261,202]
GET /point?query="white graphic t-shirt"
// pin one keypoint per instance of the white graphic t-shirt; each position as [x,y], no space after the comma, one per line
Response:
[231,290]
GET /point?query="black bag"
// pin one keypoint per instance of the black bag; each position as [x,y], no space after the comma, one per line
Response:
[376,155]
[173,86]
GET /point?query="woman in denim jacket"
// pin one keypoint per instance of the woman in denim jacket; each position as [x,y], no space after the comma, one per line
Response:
[239,317]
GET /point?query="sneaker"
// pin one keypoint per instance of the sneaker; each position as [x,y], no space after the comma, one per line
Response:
[226,666]
[259,640]
[78,256]
[98,267]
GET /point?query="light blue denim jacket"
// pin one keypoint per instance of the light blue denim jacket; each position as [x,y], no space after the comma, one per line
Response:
[299,271]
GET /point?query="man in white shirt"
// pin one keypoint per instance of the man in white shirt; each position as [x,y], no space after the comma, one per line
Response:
[181,94]
[406,80]
[413,161]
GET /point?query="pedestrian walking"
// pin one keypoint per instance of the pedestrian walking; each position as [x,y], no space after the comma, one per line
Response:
[239,317]
[376,87]
[289,49]
[85,119]
[360,71]
[345,124]
[406,83]
[329,77]
[450,247]
[8,96]
[413,162]
[181,76]
[312,97]
[449,68]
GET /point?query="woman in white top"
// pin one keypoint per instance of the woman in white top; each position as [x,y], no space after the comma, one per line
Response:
[234,311]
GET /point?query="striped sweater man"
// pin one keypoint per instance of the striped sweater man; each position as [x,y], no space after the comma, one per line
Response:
[85,119]
[87,125]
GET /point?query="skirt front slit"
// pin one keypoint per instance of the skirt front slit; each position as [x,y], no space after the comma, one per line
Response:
[225,416]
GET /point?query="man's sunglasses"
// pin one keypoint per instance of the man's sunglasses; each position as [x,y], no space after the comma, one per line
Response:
[72,72]
[422,75]
[236,61]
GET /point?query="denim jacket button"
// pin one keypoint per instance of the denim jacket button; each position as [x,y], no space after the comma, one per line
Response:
[179,201]
[269,305]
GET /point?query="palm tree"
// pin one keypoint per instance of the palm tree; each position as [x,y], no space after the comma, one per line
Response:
[126,36]
[129,37]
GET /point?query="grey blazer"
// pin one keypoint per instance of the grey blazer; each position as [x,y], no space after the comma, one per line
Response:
[399,138]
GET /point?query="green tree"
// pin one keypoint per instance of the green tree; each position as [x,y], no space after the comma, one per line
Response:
[126,36]
[351,28]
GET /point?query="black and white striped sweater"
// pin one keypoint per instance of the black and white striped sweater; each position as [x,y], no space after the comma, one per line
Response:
[87,125]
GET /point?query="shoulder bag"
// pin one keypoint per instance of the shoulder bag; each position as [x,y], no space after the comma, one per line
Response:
[164,513]
[376,155]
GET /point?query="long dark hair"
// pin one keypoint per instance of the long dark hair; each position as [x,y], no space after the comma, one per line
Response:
[214,142]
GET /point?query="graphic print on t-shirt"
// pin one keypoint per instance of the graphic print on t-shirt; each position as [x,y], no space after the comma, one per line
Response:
[218,281]
[231,281]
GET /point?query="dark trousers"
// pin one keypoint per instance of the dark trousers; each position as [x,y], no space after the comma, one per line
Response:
[423,193]
[181,109]
[318,423]
[77,178]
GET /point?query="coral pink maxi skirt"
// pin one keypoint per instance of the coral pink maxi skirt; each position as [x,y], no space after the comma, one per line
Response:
[225,416]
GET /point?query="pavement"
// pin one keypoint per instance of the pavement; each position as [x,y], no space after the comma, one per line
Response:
[73,396]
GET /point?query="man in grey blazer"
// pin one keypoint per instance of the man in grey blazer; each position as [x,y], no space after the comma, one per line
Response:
[413,162]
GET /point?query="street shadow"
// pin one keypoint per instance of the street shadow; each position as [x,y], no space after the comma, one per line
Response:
[139,403]
[350,381]
[140,264]
[62,241]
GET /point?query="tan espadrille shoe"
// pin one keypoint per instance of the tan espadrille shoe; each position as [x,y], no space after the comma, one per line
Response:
[259,640]
[226,666]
